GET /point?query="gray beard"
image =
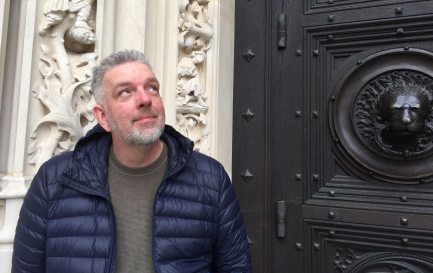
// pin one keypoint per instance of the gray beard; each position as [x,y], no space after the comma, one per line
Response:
[137,136]
[144,137]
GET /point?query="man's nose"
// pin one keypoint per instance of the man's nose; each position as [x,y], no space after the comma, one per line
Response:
[142,98]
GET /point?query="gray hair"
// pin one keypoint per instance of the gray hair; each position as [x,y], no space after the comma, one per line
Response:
[115,59]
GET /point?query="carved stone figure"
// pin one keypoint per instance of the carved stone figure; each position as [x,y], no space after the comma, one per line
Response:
[188,86]
[195,28]
[80,34]
[190,100]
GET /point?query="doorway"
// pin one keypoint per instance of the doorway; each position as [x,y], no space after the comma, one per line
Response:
[333,126]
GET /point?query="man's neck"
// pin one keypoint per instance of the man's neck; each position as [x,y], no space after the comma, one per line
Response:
[137,156]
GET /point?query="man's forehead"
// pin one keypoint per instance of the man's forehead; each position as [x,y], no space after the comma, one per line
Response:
[133,65]
[129,72]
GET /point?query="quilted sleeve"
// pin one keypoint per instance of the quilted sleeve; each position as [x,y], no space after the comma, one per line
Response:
[29,244]
[232,252]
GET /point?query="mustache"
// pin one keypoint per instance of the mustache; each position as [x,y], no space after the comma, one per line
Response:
[144,114]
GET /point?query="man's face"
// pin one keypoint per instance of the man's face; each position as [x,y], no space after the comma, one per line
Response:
[132,108]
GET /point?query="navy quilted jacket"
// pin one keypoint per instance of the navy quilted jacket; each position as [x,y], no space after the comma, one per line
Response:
[67,223]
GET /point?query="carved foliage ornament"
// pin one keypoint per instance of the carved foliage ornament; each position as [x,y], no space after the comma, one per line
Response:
[195,33]
[66,59]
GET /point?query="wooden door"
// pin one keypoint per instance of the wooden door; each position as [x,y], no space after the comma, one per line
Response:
[333,134]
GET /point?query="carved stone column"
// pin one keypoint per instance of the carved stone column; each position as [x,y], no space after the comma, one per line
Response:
[194,40]
[12,183]
[204,86]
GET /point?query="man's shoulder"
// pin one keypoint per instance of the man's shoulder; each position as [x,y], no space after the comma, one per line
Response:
[201,162]
[54,166]
[204,171]
[58,160]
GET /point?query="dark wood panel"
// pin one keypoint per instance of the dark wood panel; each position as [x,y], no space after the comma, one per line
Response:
[351,248]
[370,217]
[347,207]
[337,57]
[249,173]
[316,6]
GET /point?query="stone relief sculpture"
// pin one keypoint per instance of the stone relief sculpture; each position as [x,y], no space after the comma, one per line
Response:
[66,59]
[195,28]
[80,33]
[195,34]
[393,115]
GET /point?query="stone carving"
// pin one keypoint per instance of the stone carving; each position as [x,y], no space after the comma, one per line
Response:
[392,115]
[67,57]
[195,33]
[195,27]
[80,35]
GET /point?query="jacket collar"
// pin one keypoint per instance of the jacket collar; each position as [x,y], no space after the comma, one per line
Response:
[87,169]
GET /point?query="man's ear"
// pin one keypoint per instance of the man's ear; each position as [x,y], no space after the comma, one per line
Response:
[99,113]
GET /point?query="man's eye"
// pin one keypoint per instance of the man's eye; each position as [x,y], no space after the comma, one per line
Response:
[124,92]
[153,89]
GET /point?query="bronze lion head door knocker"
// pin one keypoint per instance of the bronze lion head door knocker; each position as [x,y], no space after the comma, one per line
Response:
[382,117]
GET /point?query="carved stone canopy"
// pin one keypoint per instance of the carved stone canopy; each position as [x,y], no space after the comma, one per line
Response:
[381,119]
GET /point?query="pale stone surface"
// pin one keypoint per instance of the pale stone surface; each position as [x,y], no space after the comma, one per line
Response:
[45,103]
[13,190]
[162,50]
[219,79]
[13,181]
[4,15]
[67,39]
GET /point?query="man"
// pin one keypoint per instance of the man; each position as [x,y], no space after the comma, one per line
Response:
[133,196]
